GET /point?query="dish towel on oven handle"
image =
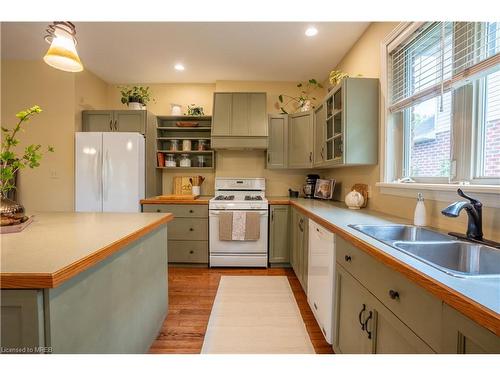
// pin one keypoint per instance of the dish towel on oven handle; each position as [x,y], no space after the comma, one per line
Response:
[239,226]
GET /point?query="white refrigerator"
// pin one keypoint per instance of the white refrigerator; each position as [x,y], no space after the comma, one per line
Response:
[110,171]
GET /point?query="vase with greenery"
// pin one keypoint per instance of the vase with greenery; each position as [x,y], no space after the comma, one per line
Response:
[13,160]
[135,97]
[302,102]
[193,110]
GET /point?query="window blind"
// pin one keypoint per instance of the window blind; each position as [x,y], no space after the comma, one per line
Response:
[440,56]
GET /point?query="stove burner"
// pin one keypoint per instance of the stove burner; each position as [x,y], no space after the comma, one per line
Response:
[224,198]
[253,198]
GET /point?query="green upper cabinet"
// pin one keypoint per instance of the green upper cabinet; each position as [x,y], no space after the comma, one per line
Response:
[300,140]
[239,120]
[277,148]
[97,121]
[319,135]
[347,131]
[223,104]
[108,121]
[279,250]
[130,121]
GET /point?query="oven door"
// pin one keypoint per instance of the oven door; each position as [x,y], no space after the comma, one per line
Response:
[218,247]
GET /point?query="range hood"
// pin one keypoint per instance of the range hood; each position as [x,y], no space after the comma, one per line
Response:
[238,143]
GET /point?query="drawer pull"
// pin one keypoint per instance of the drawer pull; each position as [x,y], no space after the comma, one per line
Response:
[191,229]
[347,258]
[366,325]
[191,211]
[315,306]
[158,210]
[191,252]
[393,294]
[360,317]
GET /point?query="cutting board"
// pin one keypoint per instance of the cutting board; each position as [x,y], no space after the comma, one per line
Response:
[181,185]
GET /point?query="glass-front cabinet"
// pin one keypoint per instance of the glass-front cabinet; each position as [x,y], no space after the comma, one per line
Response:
[346,124]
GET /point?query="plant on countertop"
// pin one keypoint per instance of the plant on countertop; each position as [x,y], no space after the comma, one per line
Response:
[195,111]
[303,101]
[10,162]
[135,94]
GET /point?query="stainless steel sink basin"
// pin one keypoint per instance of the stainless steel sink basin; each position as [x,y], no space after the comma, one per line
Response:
[457,258]
[396,232]
[444,252]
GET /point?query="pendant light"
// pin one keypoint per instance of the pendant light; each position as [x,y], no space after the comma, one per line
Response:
[62,53]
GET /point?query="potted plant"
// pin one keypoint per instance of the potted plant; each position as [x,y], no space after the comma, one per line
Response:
[195,111]
[135,97]
[303,101]
[11,162]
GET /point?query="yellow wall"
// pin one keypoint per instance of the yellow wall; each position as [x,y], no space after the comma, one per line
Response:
[61,96]
[228,163]
[364,58]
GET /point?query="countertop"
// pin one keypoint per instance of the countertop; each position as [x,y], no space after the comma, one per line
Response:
[60,245]
[203,199]
[477,298]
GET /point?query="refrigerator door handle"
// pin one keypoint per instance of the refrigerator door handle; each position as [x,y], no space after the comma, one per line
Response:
[96,176]
[105,173]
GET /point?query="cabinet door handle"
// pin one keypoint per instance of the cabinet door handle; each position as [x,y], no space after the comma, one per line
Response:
[116,124]
[268,157]
[360,317]
[310,157]
[315,306]
[191,229]
[111,125]
[321,153]
[394,294]
[272,215]
[366,325]
[347,258]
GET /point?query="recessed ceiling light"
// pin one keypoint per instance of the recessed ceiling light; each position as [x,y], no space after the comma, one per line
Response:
[311,31]
[179,67]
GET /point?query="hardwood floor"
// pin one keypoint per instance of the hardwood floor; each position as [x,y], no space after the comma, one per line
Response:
[191,295]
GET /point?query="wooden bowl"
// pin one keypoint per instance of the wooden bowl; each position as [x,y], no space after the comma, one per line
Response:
[186,124]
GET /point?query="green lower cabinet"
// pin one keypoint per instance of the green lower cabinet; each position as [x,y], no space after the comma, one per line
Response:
[364,325]
[299,246]
[279,250]
[463,336]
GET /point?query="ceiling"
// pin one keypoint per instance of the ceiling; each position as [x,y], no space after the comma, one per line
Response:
[146,52]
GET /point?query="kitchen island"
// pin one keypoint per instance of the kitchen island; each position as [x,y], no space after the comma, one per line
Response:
[84,283]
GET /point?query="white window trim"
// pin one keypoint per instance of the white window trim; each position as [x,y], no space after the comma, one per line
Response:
[489,195]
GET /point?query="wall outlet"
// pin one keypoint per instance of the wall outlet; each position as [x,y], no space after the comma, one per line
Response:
[53,174]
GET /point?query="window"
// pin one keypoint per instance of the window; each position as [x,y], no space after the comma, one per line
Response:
[444,103]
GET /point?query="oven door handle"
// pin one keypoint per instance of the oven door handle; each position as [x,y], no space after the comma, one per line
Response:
[216,213]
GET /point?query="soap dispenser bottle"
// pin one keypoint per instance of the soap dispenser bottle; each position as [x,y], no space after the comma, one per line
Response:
[419,218]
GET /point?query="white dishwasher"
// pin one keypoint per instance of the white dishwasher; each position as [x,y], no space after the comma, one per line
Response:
[321,277]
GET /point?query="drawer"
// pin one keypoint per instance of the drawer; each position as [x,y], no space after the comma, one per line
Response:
[188,251]
[188,229]
[179,210]
[382,281]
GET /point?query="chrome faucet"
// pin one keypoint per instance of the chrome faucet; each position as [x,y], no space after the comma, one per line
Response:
[474,209]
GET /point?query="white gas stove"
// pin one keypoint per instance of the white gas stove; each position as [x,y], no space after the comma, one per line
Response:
[238,195]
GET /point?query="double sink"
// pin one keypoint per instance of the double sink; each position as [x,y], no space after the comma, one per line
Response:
[446,253]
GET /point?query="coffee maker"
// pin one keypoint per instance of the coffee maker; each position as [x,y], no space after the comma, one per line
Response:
[308,188]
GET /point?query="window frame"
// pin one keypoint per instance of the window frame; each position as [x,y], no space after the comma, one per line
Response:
[465,117]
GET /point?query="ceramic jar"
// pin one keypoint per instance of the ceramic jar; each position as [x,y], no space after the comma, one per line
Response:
[354,200]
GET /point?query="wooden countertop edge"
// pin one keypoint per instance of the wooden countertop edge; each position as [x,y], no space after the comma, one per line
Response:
[200,201]
[470,308]
[53,280]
